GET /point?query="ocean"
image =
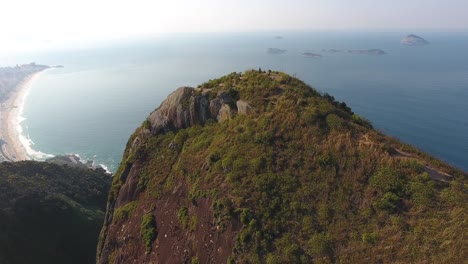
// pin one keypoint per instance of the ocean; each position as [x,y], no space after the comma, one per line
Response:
[92,105]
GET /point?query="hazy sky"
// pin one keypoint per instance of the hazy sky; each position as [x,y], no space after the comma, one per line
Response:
[48,22]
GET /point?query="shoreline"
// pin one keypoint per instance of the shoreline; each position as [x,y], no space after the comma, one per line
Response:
[11,146]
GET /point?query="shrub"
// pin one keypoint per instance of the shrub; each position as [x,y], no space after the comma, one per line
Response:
[334,121]
[369,238]
[273,259]
[389,202]
[146,124]
[245,216]
[148,230]
[258,164]
[180,138]
[122,213]
[183,216]
[387,180]
[319,244]
[422,189]
[361,121]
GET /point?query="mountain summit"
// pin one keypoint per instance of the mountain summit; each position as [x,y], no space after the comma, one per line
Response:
[259,167]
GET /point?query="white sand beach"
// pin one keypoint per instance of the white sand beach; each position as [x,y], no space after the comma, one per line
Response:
[12,149]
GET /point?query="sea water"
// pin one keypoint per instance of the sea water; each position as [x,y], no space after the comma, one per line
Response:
[92,105]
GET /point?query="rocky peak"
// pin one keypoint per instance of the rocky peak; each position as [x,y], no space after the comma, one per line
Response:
[280,185]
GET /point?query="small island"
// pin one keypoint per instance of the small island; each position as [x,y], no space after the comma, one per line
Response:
[331,50]
[276,51]
[414,40]
[368,52]
[312,55]
[362,52]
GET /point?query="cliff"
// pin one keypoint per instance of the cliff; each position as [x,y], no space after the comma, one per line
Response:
[261,168]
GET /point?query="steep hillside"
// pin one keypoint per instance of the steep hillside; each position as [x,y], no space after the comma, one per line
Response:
[261,168]
[50,213]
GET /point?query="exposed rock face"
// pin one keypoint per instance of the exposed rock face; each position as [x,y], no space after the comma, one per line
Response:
[171,114]
[225,113]
[215,106]
[414,40]
[188,106]
[244,108]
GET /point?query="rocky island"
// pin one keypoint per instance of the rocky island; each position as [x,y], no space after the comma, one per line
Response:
[414,40]
[259,167]
[312,55]
[353,51]
[331,50]
[275,51]
[368,52]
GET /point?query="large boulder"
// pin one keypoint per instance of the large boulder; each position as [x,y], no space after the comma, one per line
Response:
[244,108]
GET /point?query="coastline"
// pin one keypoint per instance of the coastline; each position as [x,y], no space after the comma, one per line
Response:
[11,146]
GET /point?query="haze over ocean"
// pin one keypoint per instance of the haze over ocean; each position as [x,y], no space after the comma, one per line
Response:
[91,107]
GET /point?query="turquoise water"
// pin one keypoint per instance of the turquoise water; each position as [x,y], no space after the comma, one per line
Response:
[90,107]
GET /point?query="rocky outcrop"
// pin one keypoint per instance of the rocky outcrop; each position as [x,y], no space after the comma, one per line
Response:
[244,108]
[188,106]
[225,113]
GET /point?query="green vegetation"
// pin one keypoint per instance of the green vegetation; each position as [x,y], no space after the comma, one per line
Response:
[123,213]
[148,230]
[306,179]
[50,213]
[183,216]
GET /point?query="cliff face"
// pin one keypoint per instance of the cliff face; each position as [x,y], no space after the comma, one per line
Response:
[188,107]
[259,167]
